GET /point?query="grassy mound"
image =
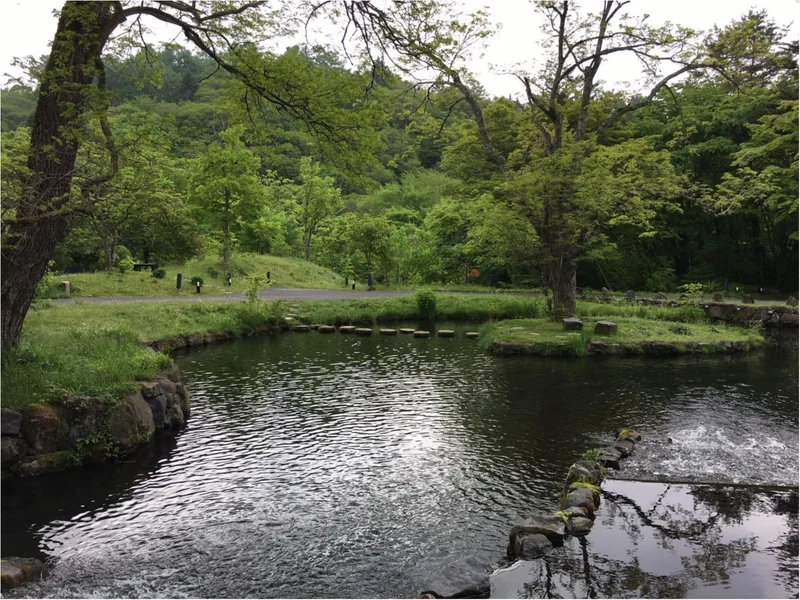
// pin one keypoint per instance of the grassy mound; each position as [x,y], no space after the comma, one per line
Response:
[544,337]
[285,273]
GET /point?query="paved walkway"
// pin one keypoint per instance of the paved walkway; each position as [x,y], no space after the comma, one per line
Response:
[268,294]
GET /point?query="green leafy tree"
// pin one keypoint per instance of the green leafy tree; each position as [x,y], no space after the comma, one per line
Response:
[318,198]
[370,238]
[226,189]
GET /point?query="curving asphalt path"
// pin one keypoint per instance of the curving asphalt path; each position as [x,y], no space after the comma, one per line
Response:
[268,294]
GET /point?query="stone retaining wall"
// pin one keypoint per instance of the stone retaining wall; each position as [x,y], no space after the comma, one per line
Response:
[747,314]
[54,436]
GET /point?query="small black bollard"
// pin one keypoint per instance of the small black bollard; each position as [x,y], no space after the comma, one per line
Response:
[229,279]
[197,286]
[180,278]
[727,284]
[346,281]
[354,286]
[369,281]
[268,276]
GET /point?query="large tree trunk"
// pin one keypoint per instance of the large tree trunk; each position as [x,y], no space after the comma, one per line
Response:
[562,280]
[41,221]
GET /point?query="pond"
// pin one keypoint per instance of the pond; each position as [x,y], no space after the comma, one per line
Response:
[342,466]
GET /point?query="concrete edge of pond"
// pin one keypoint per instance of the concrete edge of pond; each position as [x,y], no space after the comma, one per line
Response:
[578,503]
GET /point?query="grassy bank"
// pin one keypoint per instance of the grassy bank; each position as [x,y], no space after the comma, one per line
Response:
[85,361]
[544,337]
[93,349]
[285,273]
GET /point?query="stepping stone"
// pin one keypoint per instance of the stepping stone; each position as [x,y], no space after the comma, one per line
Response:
[473,335]
[388,331]
[289,319]
[363,331]
[406,331]
[446,333]
[422,334]
[315,326]
[301,328]
[572,324]
[327,329]
[347,329]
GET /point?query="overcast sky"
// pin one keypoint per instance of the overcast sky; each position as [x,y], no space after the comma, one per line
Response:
[26,27]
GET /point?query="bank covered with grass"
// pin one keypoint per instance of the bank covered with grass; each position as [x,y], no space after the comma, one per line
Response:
[634,335]
[98,349]
[284,272]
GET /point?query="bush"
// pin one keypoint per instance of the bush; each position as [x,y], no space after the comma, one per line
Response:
[45,285]
[124,260]
[254,286]
[426,304]
[159,273]
[661,280]
[196,279]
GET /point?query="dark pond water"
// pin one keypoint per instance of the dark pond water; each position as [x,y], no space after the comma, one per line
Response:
[337,466]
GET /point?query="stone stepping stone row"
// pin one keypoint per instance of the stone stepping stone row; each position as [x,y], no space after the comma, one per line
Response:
[580,500]
[365,331]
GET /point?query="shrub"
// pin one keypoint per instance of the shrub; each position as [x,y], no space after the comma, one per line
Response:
[661,280]
[426,304]
[692,289]
[159,273]
[45,284]
[254,286]
[195,279]
[124,260]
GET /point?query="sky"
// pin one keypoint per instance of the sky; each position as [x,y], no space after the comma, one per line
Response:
[27,26]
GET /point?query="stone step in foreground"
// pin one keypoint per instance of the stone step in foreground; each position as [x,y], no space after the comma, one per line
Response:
[448,333]
[301,328]
[363,331]
[347,329]
[422,334]
[472,335]
[327,329]
[388,331]
[406,331]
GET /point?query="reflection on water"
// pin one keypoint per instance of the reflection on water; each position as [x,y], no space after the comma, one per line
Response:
[654,540]
[337,466]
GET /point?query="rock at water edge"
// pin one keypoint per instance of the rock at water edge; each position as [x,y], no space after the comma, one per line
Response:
[15,571]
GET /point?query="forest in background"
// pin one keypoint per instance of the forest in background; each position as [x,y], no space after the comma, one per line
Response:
[699,186]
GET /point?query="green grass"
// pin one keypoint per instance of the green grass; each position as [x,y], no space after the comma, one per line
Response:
[449,307]
[93,349]
[544,337]
[92,361]
[285,273]
[689,313]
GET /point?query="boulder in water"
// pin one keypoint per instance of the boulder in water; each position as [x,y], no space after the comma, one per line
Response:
[581,497]
[792,301]
[579,526]
[718,298]
[748,300]
[532,546]
[14,571]
[550,526]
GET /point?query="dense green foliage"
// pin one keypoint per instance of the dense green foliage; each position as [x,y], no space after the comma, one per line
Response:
[698,186]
